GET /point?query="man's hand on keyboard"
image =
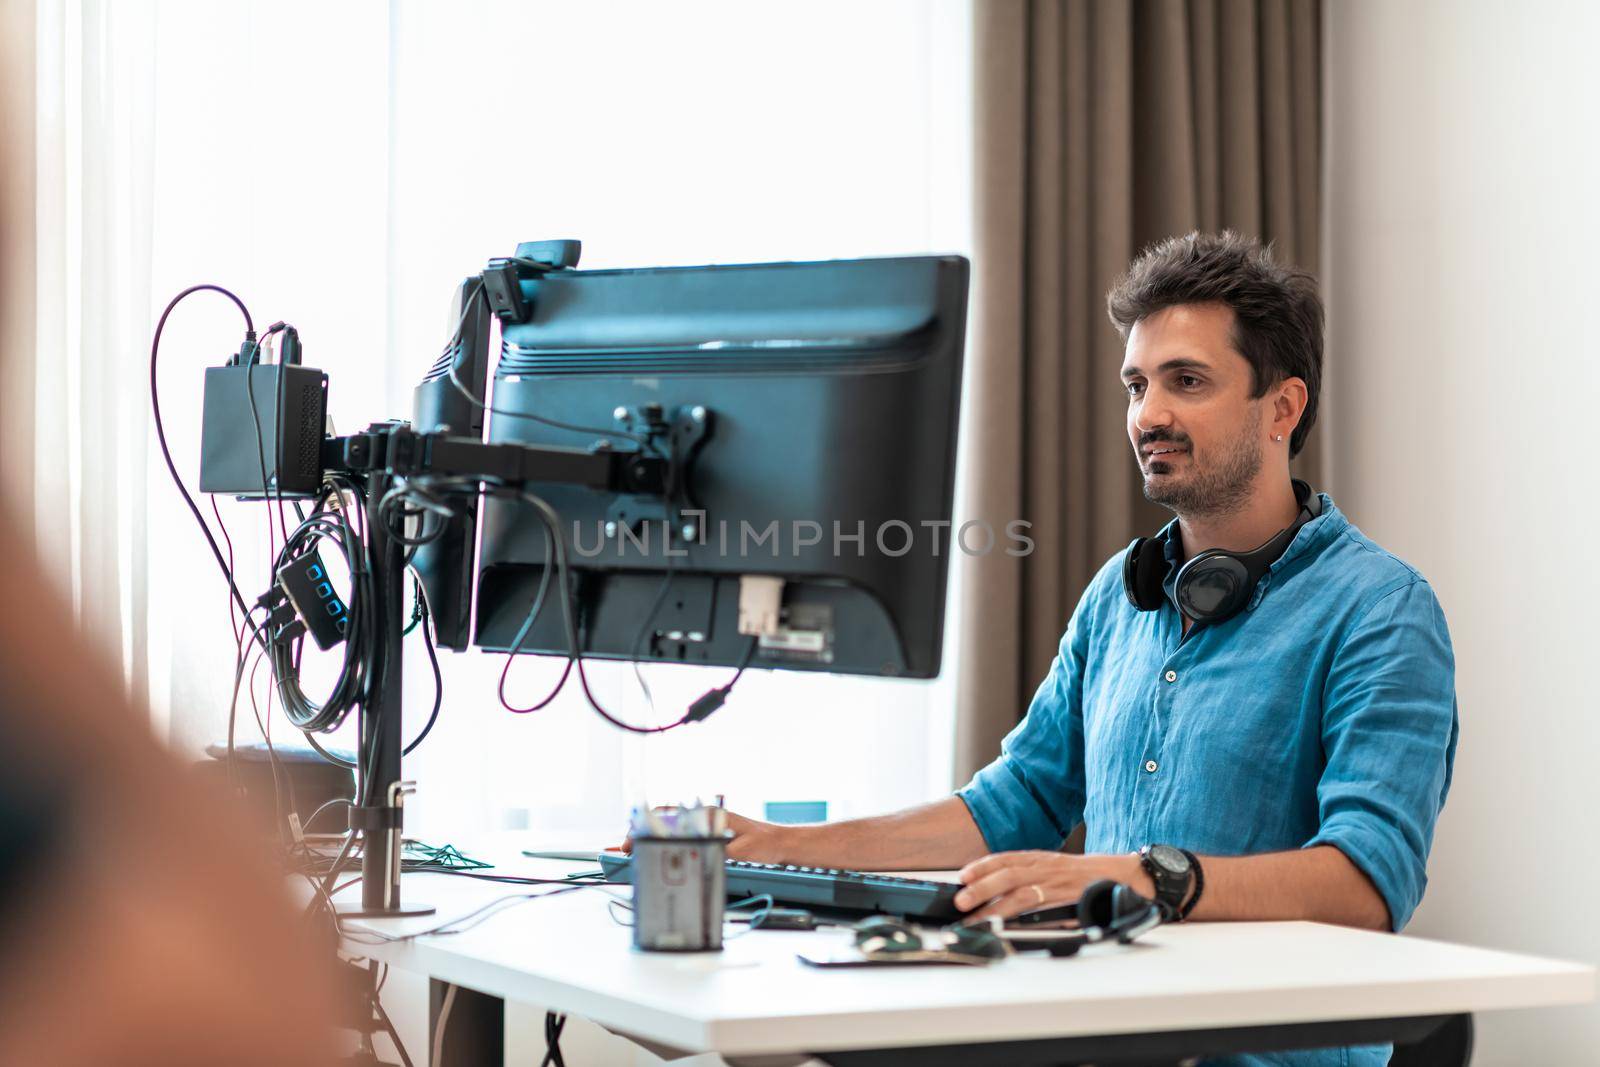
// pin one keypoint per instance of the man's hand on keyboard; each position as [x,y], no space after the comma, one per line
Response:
[1009,883]
[761,842]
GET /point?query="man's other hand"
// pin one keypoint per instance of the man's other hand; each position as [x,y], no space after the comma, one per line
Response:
[758,842]
[1009,883]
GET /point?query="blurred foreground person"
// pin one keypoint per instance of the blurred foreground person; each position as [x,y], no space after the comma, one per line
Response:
[136,923]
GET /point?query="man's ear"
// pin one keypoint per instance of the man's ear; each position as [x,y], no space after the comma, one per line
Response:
[1288,404]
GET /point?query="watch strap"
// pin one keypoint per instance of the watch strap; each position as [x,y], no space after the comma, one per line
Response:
[1199,884]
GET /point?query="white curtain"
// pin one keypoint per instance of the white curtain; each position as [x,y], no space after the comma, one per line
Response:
[343,166]
[95,125]
[166,154]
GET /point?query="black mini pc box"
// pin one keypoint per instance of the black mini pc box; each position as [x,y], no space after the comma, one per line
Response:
[291,404]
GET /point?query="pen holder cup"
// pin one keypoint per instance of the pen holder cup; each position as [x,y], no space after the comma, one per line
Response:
[679,893]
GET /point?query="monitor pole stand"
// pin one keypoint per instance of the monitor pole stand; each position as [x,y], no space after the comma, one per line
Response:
[381,819]
[387,451]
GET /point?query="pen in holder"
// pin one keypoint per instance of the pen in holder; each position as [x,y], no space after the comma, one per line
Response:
[679,881]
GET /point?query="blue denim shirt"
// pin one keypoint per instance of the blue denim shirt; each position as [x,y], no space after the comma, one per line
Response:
[1322,714]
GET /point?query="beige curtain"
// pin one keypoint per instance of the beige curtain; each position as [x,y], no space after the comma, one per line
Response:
[1101,126]
[17,244]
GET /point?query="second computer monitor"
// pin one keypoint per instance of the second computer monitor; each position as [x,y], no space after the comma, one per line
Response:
[814,408]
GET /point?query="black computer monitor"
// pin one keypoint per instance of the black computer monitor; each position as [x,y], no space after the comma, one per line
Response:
[445,564]
[829,394]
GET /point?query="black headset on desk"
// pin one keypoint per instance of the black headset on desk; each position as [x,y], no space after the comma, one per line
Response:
[1217,583]
[1105,911]
[1114,910]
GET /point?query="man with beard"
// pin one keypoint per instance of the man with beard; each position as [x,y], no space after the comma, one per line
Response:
[1253,712]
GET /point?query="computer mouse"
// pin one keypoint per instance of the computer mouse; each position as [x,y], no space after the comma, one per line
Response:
[886,935]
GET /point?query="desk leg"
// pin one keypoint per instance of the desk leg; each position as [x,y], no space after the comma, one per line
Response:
[475,1032]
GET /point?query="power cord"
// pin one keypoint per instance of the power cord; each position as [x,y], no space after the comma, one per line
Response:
[699,711]
[534,611]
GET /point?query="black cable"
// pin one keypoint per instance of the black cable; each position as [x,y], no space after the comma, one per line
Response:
[338,862]
[552,525]
[352,687]
[433,661]
[644,629]
[233,704]
[416,606]
[508,879]
[394,1035]
[534,610]
[698,711]
[280,777]
[325,754]
[420,498]
[161,431]
[712,699]
[255,419]
[461,387]
[249,352]
[277,407]
[322,808]
[471,919]
[222,527]
[744,662]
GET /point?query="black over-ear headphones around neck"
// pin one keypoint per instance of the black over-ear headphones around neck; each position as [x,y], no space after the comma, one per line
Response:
[1216,584]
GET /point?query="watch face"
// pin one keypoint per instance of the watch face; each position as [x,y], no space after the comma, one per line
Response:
[1170,859]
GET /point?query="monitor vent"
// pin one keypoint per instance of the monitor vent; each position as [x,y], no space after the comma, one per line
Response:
[518,361]
[441,366]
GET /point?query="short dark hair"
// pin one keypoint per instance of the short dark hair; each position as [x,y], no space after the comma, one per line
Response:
[1277,314]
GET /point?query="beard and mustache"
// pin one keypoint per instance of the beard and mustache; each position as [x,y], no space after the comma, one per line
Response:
[1221,488]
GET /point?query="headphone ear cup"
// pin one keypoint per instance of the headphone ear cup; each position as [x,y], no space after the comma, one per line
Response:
[1097,907]
[1110,909]
[1142,570]
[1213,586]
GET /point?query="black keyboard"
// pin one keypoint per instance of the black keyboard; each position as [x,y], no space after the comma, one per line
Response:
[823,887]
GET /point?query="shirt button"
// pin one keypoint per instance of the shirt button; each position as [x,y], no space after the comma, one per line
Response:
[1172,676]
[1150,765]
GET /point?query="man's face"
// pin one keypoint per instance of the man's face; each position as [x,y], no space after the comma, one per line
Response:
[1196,431]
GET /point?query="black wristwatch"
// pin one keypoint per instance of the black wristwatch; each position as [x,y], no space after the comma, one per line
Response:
[1174,871]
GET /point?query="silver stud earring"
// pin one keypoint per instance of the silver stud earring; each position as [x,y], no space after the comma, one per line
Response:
[1277,437]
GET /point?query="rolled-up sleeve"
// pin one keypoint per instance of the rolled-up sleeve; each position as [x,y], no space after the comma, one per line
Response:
[1032,796]
[1389,731]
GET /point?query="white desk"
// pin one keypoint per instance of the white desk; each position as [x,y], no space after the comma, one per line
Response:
[1203,987]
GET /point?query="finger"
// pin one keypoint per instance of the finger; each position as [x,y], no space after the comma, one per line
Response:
[742,847]
[1017,901]
[994,884]
[978,868]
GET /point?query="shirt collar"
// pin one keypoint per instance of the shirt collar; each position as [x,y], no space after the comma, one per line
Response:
[1313,536]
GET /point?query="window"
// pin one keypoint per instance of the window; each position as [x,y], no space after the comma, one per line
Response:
[344,166]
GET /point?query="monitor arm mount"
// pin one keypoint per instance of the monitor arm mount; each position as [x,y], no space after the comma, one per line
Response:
[647,482]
